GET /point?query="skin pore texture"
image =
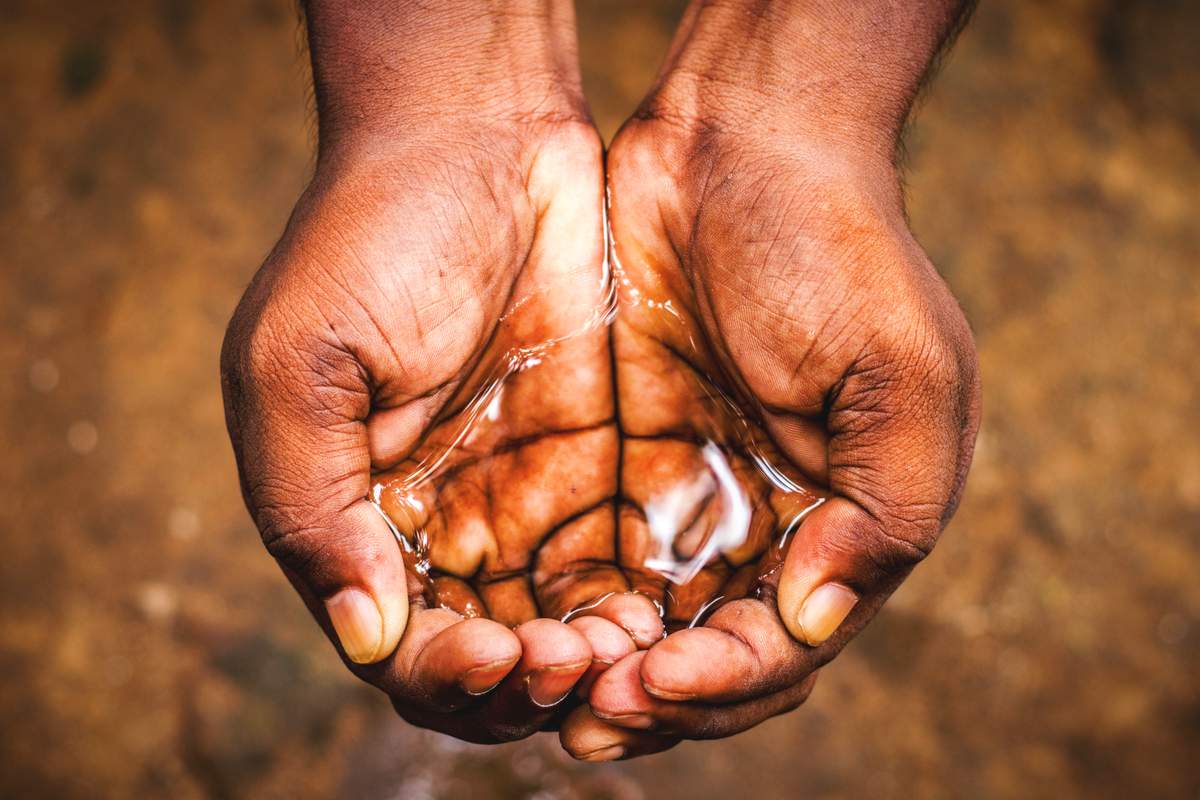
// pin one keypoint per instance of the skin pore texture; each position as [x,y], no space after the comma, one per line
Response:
[754,286]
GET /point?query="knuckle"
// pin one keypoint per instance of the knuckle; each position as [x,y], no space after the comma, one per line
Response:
[251,352]
[938,366]
[925,358]
[901,545]
[328,381]
[300,550]
[908,531]
[285,507]
[891,531]
[278,361]
[885,549]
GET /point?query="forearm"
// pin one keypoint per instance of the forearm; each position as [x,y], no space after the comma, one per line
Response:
[390,66]
[846,72]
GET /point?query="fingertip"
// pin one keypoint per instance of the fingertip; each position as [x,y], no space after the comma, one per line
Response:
[466,656]
[693,663]
[548,642]
[358,623]
[393,605]
[636,614]
[482,679]
[555,656]
[609,644]
[618,693]
[822,564]
[588,738]
[358,576]
[495,651]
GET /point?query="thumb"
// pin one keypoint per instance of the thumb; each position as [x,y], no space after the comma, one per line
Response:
[901,436]
[839,556]
[296,411]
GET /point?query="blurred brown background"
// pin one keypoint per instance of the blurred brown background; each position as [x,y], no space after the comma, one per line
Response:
[149,154]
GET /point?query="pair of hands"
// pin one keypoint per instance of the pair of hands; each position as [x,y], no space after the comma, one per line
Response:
[786,253]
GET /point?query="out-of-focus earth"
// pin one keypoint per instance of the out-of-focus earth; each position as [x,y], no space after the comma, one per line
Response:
[149,155]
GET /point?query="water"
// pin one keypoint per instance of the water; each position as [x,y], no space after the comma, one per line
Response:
[511,507]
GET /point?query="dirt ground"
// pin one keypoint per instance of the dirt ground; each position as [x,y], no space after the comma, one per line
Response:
[149,155]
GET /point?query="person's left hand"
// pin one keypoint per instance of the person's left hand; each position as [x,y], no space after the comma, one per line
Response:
[786,271]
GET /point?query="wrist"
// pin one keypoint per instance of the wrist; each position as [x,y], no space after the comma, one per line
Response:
[707,109]
[838,74]
[384,71]
[688,169]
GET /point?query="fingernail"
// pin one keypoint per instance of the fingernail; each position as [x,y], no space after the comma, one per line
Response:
[641,722]
[358,624]
[611,753]
[663,694]
[824,611]
[643,640]
[482,680]
[549,685]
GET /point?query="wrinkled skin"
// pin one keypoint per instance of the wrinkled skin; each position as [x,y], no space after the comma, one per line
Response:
[533,507]
[795,270]
[404,280]
[402,276]
[530,499]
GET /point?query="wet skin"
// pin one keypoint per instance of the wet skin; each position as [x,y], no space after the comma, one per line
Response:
[535,513]
[795,269]
[539,511]
[375,309]
[428,247]
[528,504]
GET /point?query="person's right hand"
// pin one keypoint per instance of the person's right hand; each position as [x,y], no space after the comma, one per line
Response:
[433,241]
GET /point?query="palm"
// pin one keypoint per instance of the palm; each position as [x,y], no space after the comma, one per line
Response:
[509,504]
[691,370]
[404,288]
[504,494]
[774,302]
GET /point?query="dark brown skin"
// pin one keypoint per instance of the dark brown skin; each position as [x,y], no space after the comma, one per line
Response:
[416,236]
[429,245]
[537,507]
[778,230]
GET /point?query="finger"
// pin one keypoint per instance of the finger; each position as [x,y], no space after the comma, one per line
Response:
[839,555]
[448,591]
[633,612]
[296,409]
[445,661]
[609,644]
[742,652]
[588,738]
[902,431]
[554,657]
[619,699]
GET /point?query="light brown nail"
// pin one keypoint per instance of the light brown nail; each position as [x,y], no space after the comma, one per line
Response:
[358,624]
[824,610]
[549,685]
[641,722]
[482,680]
[663,694]
[611,753]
